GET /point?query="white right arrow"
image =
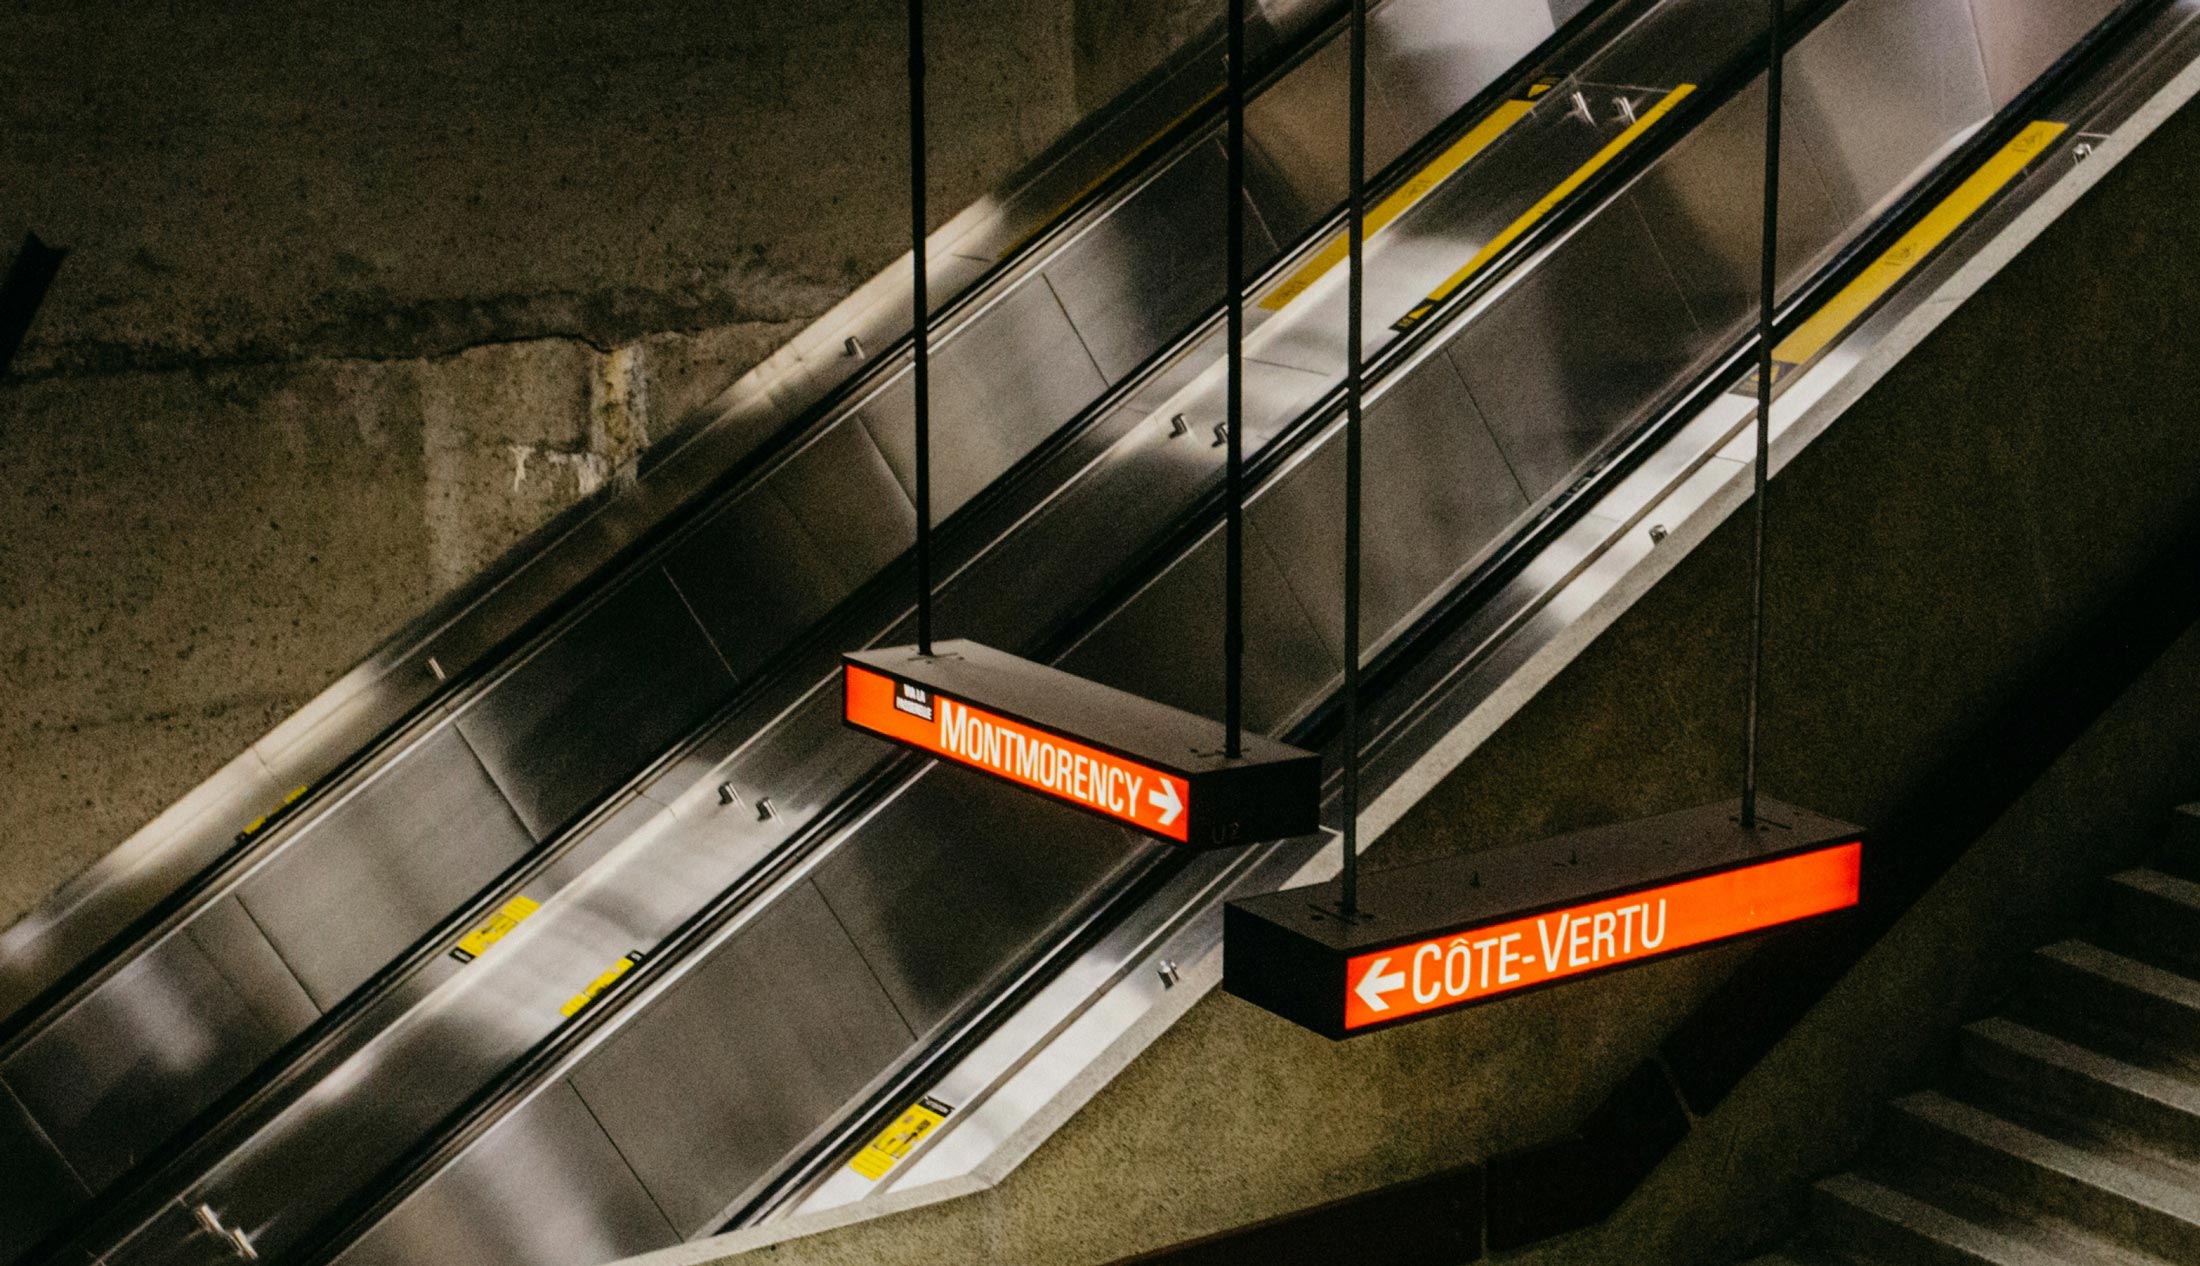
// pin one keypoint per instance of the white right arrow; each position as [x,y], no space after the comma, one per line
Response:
[1374,985]
[1164,798]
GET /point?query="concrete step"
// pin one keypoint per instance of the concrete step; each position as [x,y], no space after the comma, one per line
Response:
[1871,1222]
[2099,988]
[2082,1085]
[2091,1189]
[2181,851]
[2155,915]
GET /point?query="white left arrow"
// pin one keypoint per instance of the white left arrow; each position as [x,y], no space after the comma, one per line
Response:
[1165,799]
[1375,984]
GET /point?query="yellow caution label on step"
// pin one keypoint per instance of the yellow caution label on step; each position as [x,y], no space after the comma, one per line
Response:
[1418,186]
[495,928]
[1927,235]
[1559,193]
[580,1001]
[899,1139]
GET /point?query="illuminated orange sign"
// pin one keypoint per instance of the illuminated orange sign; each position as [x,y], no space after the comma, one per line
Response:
[1055,765]
[1479,963]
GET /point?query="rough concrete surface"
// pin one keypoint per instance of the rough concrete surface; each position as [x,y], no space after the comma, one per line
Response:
[1964,518]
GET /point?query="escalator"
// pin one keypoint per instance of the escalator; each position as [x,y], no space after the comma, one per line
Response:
[581,690]
[784,933]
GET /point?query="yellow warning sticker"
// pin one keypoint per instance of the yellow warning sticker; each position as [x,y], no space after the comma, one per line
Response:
[580,1001]
[495,928]
[252,828]
[1419,186]
[1559,193]
[1886,272]
[1051,220]
[899,1139]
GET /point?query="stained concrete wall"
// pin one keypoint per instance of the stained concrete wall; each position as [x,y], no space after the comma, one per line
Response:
[359,294]
[1961,521]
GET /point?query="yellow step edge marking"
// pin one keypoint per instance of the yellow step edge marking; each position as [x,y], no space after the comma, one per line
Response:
[495,928]
[899,1139]
[1831,321]
[1528,219]
[1423,183]
[599,984]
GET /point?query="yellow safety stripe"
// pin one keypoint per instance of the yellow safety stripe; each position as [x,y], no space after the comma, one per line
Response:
[1558,194]
[596,987]
[1423,183]
[1831,321]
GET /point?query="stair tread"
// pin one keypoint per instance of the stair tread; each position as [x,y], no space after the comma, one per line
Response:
[2159,1087]
[2087,1166]
[1926,1218]
[2121,969]
[2159,883]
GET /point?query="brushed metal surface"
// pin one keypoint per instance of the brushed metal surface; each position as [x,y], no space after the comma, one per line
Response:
[1704,206]
[375,874]
[236,943]
[133,1061]
[842,492]
[755,579]
[1137,279]
[2019,39]
[794,1025]
[1882,88]
[1001,386]
[1438,492]
[40,1189]
[901,888]
[1577,349]
[586,711]
[1427,58]
[545,1189]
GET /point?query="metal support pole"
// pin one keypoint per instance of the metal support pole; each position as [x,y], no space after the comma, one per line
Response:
[1233,532]
[1355,239]
[1767,297]
[920,308]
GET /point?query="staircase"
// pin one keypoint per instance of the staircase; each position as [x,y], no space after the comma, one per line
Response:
[2068,1133]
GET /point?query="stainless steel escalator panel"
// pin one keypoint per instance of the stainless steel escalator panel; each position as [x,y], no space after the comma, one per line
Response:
[512,1201]
[1166,644]
[375,874]
[240,947]
[129,1064]
[1295,140]
[40,1189]
[1712,31]
[1437,493]
[588,710]
[1430,57]
[1138,278]
[755,580]
[1705,210]
[790,1024]
[1011,378]
[844,494]
[2022,38]
[1575,350]
[1882,88]
[904,886]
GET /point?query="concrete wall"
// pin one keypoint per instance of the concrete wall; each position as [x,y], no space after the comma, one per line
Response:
[1965,517]
[358,294]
